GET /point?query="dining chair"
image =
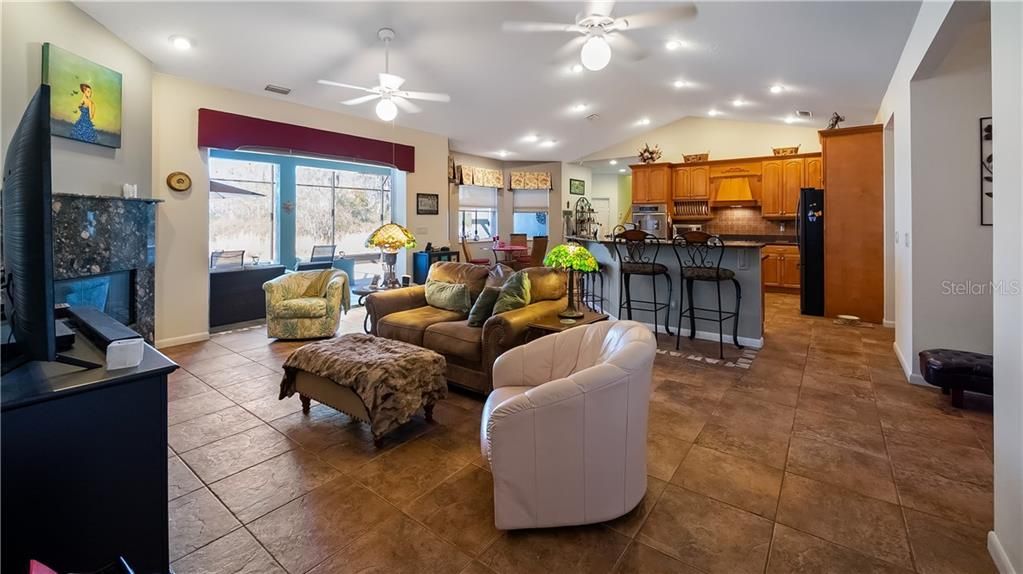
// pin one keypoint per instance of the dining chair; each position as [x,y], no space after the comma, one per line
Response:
[469,257]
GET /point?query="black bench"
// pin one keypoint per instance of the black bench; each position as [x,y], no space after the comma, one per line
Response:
[957,371]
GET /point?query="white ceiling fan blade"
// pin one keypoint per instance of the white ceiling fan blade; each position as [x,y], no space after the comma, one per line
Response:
[391,81]
[340,85]
[600,7]
[427,96]
[539,27]
[405,105]
[360,100]
[684,11]
[570,49]
[626,47]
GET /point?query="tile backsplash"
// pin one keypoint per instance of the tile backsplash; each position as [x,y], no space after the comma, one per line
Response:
[745,221]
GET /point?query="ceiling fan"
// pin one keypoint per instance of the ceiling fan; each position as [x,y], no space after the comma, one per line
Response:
[597,29]
[389,90]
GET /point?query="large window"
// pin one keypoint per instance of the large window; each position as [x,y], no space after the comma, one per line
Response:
[242,209]
[530,212]
[340,207]
[477,213]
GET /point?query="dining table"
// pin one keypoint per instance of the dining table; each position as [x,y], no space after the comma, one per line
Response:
[508,252]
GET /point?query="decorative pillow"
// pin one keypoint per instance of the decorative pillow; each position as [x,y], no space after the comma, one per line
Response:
[450,296]
[514,293]
[483,308]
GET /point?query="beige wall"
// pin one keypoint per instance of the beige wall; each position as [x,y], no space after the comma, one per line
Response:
[182,309]
[724,139]
[78,167]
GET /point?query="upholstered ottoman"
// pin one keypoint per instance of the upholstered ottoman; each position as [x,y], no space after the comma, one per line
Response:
[378,381]
[957,371]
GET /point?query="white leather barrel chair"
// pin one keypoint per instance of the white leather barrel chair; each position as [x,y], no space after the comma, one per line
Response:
[565,428]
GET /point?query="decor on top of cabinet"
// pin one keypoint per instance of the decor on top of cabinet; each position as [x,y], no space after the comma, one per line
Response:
[694,157]
[790,150]
[987,173]
[648,155]
[834,121]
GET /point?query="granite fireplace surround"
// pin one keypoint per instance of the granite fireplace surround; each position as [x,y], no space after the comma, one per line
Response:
[98,235]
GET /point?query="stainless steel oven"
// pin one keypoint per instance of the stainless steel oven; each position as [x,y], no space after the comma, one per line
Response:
[653,219]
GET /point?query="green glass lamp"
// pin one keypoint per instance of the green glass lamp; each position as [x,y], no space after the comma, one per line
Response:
[573,257]
[390,239]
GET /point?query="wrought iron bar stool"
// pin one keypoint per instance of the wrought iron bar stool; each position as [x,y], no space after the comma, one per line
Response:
[699,257]
[590,295]
[637,255]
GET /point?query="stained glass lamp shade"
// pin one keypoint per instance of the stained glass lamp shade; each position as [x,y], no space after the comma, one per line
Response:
[573,257]
[390,239]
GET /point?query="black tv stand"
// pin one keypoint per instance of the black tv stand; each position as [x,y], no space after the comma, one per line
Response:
[76,362]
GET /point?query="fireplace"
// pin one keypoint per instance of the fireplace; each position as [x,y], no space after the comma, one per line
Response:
[112,293]
[104,255]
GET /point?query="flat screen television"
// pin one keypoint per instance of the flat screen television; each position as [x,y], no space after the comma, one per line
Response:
[28,238]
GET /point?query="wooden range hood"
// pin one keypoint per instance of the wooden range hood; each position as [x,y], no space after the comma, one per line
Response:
[733,190]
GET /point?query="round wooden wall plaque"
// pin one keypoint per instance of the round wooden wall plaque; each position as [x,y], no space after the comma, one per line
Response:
[179,181]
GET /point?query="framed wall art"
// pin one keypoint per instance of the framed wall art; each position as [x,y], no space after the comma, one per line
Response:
[427,204]
[987,174]
[85,98]
[576,187]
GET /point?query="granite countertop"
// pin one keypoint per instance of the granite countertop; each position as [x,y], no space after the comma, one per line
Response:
[117,197]
[733,243]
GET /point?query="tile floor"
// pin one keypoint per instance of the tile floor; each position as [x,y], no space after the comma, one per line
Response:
[818,458]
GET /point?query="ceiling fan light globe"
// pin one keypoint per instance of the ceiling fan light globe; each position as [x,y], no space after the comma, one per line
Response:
[386,110]
[596,54]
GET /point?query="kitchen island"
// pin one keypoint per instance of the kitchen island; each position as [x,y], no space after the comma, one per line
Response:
[741,256]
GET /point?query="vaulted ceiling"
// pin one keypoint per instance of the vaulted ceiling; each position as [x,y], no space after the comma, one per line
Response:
[829,56]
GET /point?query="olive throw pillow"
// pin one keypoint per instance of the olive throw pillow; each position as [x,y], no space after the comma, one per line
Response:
[450,296]
[514,293]
[483,308]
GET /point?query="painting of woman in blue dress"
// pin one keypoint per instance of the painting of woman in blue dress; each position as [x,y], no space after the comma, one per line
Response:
[85,98]
[84,129]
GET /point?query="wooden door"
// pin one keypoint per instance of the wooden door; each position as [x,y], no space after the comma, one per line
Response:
[640,184]
[699,182]
[789,268]
[854,222]
[792,182]
[771,270]
[681,188]
[814,173]
[659,190]
[770,188]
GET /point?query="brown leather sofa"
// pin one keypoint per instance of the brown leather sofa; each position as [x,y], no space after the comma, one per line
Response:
[404,315]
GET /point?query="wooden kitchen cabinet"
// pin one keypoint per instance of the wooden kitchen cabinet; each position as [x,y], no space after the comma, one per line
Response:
[651,183]
[814,173]
[780,182]
[780,267]
[691,182]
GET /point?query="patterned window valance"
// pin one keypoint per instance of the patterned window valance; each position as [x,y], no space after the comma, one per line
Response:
[530,180]
[479,176]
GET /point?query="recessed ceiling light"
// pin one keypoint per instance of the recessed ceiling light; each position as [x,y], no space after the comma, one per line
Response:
[621,170]
[673,44]
[181,43]
[713,113]
[502,153]
[530,138]
[643,122]
[791,119]
[579,108]
[613,162]
[576,68]
[680,83]
[777,89]
[739,102]
[548,143]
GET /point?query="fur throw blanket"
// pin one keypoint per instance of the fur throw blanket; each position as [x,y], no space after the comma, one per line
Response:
[393,379]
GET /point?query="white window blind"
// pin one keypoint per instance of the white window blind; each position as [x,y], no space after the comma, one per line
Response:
[529,200]
[473,197]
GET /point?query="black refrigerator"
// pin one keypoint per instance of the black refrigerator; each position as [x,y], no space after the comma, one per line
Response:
[810,233]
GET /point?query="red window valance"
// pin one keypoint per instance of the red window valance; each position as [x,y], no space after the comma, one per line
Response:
[233,131]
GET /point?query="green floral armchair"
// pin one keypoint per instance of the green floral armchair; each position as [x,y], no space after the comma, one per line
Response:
[306,304]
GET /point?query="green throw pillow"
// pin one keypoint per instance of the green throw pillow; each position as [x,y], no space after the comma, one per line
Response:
[483,308]
[514,293]
[450,296]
